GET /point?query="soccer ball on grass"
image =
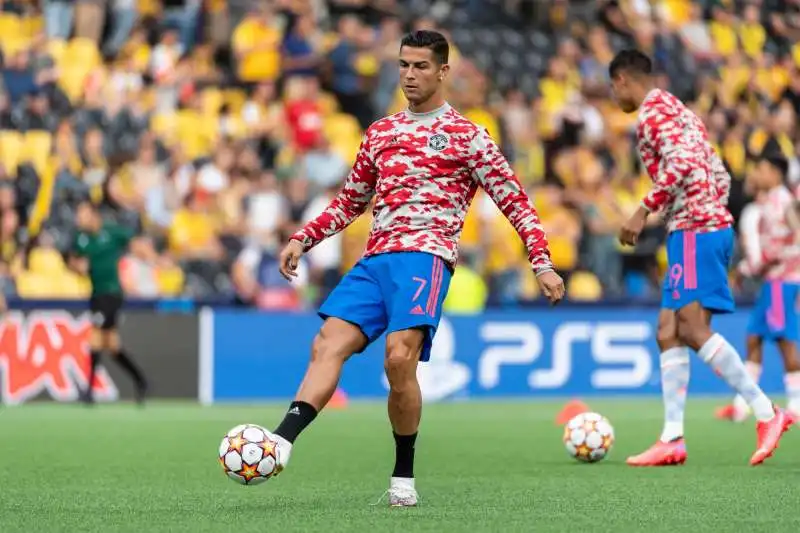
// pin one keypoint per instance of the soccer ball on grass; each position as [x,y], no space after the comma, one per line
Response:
[248,454]
[588,437]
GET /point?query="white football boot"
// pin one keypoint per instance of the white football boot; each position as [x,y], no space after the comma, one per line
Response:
[283,452]
[402,492]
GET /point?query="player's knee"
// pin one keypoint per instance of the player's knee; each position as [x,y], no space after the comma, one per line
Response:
[691,331]
[326,348]
[667,338]
[402,355]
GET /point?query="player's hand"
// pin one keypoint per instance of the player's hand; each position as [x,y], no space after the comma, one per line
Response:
[552,286]
[289,259]
[630,231]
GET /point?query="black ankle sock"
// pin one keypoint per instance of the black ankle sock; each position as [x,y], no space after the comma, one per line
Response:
[404,455]
[130,367]
[94,357]
[298,417]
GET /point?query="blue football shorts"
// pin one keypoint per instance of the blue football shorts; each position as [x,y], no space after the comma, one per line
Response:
[698,270]
[774,316]
[391,292]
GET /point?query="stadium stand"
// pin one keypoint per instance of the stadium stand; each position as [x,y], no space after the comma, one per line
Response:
[217,127]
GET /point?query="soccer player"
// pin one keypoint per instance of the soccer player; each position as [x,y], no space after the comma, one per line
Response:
[97,249]
[690,188]
[773,253]
[422,167]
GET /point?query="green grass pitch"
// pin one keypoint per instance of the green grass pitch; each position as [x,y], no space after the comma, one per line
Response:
[498,467]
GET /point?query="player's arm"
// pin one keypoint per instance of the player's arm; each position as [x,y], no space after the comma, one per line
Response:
[491,170]
[352,201]
[721,177]
[665,181]
[753,260]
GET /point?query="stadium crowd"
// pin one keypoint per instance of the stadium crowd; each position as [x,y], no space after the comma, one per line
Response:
[217,127]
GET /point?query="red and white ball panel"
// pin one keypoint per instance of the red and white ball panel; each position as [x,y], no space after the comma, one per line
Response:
[248,454]
[588,437]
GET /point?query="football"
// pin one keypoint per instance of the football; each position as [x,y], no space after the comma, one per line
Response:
[248,454]
[588,437]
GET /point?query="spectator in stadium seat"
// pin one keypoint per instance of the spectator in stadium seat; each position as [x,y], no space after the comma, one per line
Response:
[344,76]
[325,258]
[138,269]
[6,113]
[37,114]
[18,77]
[123,19]
[323,166]
[214,175]
[302,48]
[90,16]
[256,43]
[266,209]
[58,18]
[389,34]
[193,234]
[303,113]
[185,15]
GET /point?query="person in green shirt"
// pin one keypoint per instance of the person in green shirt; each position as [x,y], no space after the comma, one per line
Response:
[97,249]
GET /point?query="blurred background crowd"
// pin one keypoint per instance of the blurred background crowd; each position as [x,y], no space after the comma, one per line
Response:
[216,128]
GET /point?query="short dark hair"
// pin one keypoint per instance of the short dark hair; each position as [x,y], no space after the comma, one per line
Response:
[432,40]
[631,61]
[778,162]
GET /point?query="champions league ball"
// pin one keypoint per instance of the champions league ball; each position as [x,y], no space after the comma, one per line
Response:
[588,437]
[248,454]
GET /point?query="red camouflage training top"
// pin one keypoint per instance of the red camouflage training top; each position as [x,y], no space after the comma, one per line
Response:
[690,182]
[424,170]
[772,250]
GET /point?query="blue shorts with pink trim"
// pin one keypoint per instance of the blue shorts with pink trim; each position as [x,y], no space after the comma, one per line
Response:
[698,270]
[392,292]
[775,314]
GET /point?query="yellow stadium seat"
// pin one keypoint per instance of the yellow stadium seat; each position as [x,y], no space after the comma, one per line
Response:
[170,281]
[10,26]
[347,148]
[10,150]
[72,80]
[46,261]
[235,98]
[328,104]
[212,100]
[37,146]
[32,26]
[584,287]
[36,286]
[82,52]
[340,125]
[75,286]
[57,48]
[165,125]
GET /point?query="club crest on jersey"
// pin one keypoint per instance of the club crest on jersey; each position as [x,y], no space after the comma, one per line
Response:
[438,141]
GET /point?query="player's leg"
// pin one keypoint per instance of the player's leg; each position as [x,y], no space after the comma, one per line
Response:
[709,293]
[111,306]
[95,354]
[787,325]
[415,285]
[755,348]
[355,315]
[403,349]
[336,341]
[674,360]
[791,365]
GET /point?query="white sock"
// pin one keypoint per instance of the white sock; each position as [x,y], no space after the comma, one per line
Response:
[792,381]
[284,449]
[754,369]
[725,361]
[674,385]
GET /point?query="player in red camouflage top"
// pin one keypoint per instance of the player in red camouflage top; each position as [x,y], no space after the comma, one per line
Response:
[422,168]
[690,189]
[769,229]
